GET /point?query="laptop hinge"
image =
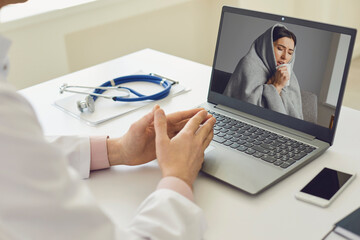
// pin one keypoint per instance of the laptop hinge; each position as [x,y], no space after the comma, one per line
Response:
[267,123]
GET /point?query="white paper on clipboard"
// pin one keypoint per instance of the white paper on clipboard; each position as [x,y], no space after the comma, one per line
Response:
[107,109]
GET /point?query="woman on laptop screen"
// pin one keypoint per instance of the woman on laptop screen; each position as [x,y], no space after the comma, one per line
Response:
[264,76]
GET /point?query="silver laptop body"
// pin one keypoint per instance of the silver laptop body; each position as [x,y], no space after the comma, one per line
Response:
[323,54]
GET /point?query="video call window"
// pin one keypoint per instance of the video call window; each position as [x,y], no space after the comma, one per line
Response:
[287,68]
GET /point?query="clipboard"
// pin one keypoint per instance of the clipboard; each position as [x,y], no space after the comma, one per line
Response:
[106,109]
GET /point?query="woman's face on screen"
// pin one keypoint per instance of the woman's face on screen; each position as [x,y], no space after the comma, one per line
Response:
[283,49]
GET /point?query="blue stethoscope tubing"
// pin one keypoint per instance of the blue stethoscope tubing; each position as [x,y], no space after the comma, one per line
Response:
[136,78]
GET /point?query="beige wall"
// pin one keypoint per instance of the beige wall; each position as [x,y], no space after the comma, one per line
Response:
[51,45]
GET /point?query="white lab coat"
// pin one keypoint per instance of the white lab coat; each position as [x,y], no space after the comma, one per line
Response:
[43,197]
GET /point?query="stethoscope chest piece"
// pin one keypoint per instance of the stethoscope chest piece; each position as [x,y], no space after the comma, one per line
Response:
[88,103]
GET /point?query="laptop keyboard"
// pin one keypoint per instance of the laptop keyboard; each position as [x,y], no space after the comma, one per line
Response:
[260,143]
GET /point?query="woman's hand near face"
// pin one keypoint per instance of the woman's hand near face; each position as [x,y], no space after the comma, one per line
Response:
[280,78]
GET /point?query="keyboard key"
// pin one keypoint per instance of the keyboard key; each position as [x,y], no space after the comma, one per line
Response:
[296,151]
[234,145]
[217,128]
[299,156]
[257,142]
[276,144]
[272,137]
[267,146]
[268,141]
[258,154]
[269,159]
[223,130]
[250,151]
[228,137]
[228,143]
[266,134]
[226,120]
[230,132]
[249,145]
[242,148]
[237,135]
[290,161]
[283,152]
[283,146]
[240,131]
[253,129]
[220,124]
[233,128]
[291,154]
[243,137]
[278,162]
[302,147]
[284,165]
[232,122]
[219,118]
[247,133]
[309,149]
[261,138]
[253,136]
[271,153]
[260,149]
[218,139]
[246,127]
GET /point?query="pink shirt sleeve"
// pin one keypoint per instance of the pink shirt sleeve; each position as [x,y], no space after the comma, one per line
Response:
[177,185]
[99,160]
[99,156]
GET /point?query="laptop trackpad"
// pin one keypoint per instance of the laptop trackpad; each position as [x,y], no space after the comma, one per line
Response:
[209,149]
[239,169]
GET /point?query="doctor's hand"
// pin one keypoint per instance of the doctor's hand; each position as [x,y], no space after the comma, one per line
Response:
[137,146]
[183,155]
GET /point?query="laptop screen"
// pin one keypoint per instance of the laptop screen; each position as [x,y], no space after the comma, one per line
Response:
[282,69]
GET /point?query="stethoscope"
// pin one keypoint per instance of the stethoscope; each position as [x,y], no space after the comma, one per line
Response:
[89,101]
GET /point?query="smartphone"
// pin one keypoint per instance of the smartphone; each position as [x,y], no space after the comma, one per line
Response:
[325,187]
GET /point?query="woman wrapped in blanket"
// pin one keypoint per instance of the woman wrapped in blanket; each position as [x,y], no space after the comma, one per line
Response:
[264,76]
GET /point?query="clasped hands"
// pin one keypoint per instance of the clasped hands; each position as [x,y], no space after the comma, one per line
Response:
[177,140]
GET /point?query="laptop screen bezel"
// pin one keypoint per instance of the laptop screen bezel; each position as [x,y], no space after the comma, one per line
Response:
[319,132]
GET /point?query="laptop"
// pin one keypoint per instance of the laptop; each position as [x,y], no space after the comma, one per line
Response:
[276,90]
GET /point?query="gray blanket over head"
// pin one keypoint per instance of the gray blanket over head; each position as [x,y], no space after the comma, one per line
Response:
[248,82]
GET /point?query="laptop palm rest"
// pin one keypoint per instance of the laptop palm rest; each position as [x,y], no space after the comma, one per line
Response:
[238,169]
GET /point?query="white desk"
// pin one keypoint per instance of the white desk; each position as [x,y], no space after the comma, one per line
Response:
[231,213]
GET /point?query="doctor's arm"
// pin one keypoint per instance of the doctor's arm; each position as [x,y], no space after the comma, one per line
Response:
[43,198]
[135,147]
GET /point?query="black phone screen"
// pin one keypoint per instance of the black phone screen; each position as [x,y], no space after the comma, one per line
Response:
[326,183]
